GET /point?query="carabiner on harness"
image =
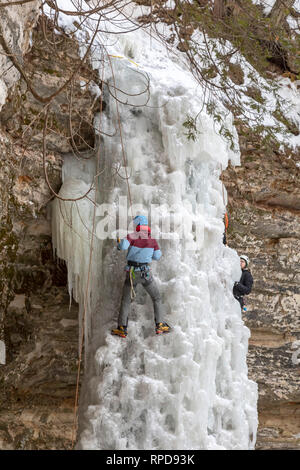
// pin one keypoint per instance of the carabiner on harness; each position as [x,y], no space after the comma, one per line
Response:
[145,273]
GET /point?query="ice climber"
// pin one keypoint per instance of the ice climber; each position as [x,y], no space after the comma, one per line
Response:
[142,249]
[244,286]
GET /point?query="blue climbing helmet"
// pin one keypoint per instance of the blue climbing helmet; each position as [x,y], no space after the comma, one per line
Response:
[140,220]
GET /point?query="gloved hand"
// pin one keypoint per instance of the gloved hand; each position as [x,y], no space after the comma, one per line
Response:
[236,288]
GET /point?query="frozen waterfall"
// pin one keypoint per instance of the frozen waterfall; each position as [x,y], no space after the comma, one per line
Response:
[188,389]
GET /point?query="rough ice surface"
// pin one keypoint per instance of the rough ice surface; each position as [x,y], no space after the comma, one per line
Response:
[188,389]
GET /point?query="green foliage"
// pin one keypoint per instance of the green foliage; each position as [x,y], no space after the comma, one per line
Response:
[219,118]
[288,124]
[191,128]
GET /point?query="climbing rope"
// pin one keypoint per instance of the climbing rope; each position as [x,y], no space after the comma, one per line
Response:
[75,422]
[122,57]
[121,138]
[131,274]
[131,277]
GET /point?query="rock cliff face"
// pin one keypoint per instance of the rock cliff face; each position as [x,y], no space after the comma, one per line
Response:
[15,26]
[264,213]
[40,332]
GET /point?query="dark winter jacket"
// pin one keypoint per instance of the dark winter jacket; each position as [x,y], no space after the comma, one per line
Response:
[243,287]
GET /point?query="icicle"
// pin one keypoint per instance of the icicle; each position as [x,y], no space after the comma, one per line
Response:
[71,227]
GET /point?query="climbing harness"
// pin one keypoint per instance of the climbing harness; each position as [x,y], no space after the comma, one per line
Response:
[144,271]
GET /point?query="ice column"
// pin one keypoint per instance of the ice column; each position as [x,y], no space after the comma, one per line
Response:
[188,389]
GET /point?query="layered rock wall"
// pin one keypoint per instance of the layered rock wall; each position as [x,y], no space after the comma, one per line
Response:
[16,23]
[264,223]
[38,327]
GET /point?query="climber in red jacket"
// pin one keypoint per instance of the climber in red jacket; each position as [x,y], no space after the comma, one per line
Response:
[142,249]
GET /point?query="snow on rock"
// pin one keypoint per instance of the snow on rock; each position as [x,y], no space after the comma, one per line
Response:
[188,389]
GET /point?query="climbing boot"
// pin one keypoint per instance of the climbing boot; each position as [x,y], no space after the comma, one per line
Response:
[162,328]
[120,331]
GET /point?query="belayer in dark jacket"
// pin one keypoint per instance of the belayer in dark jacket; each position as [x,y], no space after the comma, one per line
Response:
[244,286]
